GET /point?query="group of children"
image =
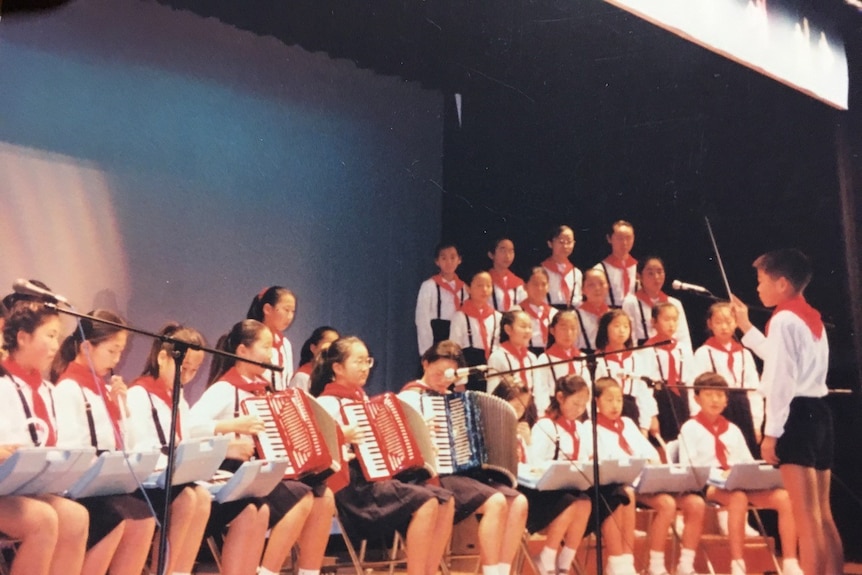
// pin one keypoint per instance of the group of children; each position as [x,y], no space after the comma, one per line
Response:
[509,326]
[643,400]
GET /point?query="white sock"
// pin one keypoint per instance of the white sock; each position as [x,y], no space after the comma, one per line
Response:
[308,572]
[622,564]
[686,561]
[547,560]
[615,564]
[504,568]
[791,566]
[629,561]
[656,563]
[565,558]
[489,570]
[737,567]
[264,571]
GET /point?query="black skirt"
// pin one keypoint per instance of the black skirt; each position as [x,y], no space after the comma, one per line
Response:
[108,511]
[375,510]
[610,497]
[738,411]
[631,409]
[472,490]
[672,412]
[545,506]
[280,500]
[157,496]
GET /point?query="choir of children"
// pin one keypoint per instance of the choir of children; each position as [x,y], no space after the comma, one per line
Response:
[537,354]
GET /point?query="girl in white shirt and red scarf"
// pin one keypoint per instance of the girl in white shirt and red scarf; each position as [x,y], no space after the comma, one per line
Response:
[93,414]
[514,356]
[52,530]
[298,512]
[564,279]
[275,307]
[620,266]
[508,288]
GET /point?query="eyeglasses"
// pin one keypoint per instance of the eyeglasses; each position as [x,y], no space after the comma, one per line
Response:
[565,242]
[367,362]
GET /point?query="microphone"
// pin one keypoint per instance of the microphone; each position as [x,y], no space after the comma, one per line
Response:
[25,287]
[463,372]
[682,286]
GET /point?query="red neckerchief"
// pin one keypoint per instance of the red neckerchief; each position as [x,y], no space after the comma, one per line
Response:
[33,379]
[305,368]
[455,291]
[716,428]
[341,391]
[562,269]
[623,266]
[277,345]
[506,281]
[619,357]
[83,376]
[157,388]
[803,311]
[521,356]
[480,314]
[645,297]
[257,387]
[672,370]
[617,426]
[558,352]
[541,316]
[571,428]
[597,310]
[735,346]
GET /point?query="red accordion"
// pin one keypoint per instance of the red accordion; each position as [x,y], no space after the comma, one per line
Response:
[389,446]
[296,429]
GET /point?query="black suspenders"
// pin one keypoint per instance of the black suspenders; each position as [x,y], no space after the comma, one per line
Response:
[31,425]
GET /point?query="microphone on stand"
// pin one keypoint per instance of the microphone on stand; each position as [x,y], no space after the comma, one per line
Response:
[25,287]
[463,372]
[682,286]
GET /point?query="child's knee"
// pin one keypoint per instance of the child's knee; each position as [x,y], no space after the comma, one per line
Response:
[694,507]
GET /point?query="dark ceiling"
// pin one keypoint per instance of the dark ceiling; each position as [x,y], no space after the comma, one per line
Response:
[444,43]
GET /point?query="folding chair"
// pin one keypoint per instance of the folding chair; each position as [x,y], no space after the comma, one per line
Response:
[395,555]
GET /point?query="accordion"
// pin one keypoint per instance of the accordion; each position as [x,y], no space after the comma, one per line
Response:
[298,429]
[475,430]
[390,446]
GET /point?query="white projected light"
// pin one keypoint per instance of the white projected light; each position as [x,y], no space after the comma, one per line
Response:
[767,41]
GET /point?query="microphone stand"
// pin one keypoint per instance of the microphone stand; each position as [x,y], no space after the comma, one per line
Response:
[179,354]
[591,360]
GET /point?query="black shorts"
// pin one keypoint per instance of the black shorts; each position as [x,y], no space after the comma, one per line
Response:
[808,436]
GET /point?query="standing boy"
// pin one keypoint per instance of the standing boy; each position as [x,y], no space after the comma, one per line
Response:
[439,298]
[798,435]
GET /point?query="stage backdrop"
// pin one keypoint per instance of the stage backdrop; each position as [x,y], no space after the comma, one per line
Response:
[169,167]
